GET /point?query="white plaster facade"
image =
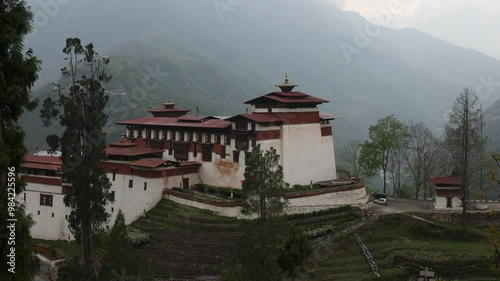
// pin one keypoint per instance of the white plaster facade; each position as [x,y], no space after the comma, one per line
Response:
[441,203]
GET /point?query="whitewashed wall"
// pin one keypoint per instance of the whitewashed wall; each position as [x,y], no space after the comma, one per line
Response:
[47,227]
[306,157]
[441,202]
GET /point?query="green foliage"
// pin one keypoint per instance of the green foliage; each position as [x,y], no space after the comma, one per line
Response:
[492,173]
[18,73]
[71,270]
[264,187]
[53,141]
[406,191]
[136,236]
[83,141]
[388,135]
[494,241]
[336,210]
[258,251]
[294,251]
[118,251]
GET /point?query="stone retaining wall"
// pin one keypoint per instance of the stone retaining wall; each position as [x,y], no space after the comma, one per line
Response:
[307,203]
[482,218]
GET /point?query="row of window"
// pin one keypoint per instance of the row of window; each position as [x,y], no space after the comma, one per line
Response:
[183,136]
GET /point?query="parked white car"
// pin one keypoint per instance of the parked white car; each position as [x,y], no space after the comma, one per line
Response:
[380,201]
[380,198]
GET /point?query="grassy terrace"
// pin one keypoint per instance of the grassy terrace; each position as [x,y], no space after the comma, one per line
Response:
[401,245]
[187,242]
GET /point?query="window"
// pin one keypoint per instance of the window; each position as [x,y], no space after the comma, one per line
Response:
[45,200]
[190,136]
[112,209]
[198,137]
[52,214]
[130,183]
[24,196]
[236,156]
[227,139]
[156,134]
[114,174]
[181,151]
[242,126]
[148,133]
[207,153]
[241,142]
[247,158]
[112,196]
[195,150]
[130,133]
[170,147]
[145,186]
[181,136]
[208,138]
[217,138]
[223,152]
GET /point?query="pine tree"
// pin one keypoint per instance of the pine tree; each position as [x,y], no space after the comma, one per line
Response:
[264,186]
[18,72]
[464,144]
[294,252]
[80,106]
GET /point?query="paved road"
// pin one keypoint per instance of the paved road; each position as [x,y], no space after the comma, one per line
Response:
[398,205]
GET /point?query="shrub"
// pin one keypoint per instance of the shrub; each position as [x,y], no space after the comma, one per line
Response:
[136,236]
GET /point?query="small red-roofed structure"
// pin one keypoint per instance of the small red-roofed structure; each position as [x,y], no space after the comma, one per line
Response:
[448,192]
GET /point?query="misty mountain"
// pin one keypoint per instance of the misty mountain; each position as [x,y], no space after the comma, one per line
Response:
[492,126]
[218,57]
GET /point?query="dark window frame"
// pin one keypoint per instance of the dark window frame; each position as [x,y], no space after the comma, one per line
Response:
[206,153]
[130,183]
[46,200]
[236,156]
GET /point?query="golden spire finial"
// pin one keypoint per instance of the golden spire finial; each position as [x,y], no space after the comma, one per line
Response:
[286,78]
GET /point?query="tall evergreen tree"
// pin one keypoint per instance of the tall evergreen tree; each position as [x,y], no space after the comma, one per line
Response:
[18,72]
[464,143]
[264,186]
[83,145]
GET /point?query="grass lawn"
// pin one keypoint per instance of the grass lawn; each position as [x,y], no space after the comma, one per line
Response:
[402,245]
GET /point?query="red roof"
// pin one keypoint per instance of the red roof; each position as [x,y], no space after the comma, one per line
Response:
[174,122]
[260,117]
[445,180]
[189,163]
[41,166]
[289,97]
[55,160]
[149,162]
[123,143]
[194,118]
[170,110]
[131,151]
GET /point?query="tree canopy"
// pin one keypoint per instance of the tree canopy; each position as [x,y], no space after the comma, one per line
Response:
[18,73]
[80,104]
[388,135]
[264,186]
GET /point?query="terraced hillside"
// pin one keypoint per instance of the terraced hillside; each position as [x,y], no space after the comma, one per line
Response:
[186,242]
[401,246]
[191,243]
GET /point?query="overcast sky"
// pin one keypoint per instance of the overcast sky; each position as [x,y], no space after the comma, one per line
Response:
[473,24]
